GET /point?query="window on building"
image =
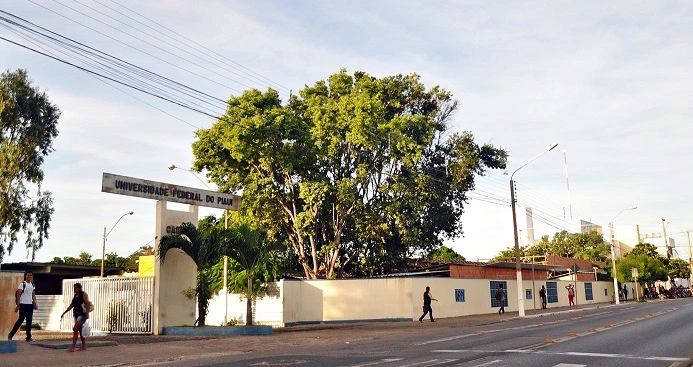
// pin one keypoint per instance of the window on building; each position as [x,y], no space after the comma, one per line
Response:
[551,292]
[606,292]
[493,288]
[588,291]
[459,295]
[528,294]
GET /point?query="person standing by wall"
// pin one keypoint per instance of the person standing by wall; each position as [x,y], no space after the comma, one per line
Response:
[542,294]
[625,292]
[427,298]
[25,298]
[571,295]
[501,296]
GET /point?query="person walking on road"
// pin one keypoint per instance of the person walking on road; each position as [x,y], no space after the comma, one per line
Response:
[501,296]
[427,298]
[542,294]
[24,299]
[80,307]
[571,295]
[625,292]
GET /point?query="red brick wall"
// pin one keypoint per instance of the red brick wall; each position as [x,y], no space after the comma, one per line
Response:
[489,272]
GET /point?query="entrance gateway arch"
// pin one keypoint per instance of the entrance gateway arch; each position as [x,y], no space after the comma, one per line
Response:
[178,273]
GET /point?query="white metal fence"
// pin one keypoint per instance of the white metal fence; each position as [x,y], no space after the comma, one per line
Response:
[121,305]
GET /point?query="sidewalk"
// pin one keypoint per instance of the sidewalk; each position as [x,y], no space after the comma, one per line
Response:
[138,349]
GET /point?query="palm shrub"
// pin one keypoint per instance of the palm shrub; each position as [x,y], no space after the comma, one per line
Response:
[204,244]
[251,248]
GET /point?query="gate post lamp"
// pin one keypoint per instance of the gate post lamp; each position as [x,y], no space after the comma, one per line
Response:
[105,238]
[613,252]
[520,298]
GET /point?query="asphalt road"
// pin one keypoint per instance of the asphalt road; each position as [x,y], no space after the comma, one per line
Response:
[636,334]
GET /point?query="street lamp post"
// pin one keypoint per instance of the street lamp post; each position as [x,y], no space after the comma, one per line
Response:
[105,238]
[226,258]
[613,252]
[520,298]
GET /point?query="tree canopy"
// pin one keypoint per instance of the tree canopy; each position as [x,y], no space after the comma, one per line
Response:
[646,249]
[112,259]
[651,267]
[587,246]
[445,253]
[355,173]
[28,126]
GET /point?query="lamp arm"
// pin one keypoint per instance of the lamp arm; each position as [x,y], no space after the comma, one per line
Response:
[116,223]
[533,159]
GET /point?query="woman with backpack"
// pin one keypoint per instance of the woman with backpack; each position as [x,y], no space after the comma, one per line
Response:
[80,307]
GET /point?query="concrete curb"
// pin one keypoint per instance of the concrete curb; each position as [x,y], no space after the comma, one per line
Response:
[218,330]
[8,346]
[566,311]
[64,345]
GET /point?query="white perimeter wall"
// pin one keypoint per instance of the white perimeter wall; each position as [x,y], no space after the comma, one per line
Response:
[311,301]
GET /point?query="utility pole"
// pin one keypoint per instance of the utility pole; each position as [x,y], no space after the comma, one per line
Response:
[613,261]
[666,239]
[690,260]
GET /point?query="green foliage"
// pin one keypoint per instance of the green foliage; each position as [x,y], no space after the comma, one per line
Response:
[250,247]
[112,259]
[677,268]
[355,174]
[445,253]
[586,246]
[113,314]
[28,126]
[509,254]
[204,244]
[646,249]
[650,269]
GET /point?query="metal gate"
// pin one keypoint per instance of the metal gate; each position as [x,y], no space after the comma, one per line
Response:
[121,305]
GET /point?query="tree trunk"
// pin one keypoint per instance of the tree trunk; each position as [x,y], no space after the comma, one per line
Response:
[249,303]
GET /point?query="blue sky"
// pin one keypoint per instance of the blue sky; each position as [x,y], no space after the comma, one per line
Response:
[609,81]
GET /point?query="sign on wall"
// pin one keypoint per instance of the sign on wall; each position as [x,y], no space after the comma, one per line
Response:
[130,186]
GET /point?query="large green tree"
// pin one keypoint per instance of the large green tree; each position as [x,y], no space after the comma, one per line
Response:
[28,126]
[204,244]
[354,168]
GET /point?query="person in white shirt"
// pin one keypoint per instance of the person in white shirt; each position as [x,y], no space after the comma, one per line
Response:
[25,296]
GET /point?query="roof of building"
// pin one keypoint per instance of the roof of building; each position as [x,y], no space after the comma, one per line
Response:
[62,269]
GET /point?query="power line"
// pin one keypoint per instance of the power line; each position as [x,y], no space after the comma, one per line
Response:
[105,77]
[133,47]
[256,79]
[203,47]
[149,43]
[107,83]
[123,69]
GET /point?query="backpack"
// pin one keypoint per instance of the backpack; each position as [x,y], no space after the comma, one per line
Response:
[91,307]
[499,294]
[35,305]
